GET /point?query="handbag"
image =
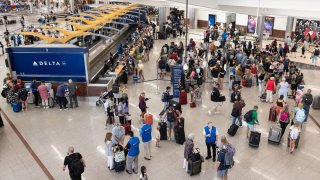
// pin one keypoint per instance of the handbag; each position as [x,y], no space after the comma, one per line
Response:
[195,155]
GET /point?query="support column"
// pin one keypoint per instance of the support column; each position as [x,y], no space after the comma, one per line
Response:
[192,18]
[48,6]
[289,26]
[72,6]
[260,29]
[162,16]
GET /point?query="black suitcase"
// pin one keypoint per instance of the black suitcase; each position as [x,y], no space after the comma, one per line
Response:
[233,129]
[316,102]
[194,167]
[249,83]
[254,139]
[179,134]
[176,105]
[163,131]
[1,122]
[119,166]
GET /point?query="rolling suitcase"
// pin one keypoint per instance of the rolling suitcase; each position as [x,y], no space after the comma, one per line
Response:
[192,104]
[249,83]
[296,143]
[316,102]
[127,126]
[194,167]
[163,131]
[275,135]
[233,129]
[244,82]
[273,114]
[254,139]
[148,118]
[179,134]
[16,107]
[183,98]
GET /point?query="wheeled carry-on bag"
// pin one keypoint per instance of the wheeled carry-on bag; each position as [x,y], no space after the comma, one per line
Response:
[233,129]
[179,134]
[249,83]
[275,135]
[183,97]
[194,167]
[316,102]
[273,114]
[254,139]
[163,130]
[127,126]
[149,118]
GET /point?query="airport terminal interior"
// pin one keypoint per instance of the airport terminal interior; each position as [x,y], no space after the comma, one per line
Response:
[145,89]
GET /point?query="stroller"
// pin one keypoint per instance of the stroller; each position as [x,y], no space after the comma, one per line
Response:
[103,97]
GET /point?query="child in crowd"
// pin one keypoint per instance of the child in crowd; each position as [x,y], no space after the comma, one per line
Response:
[108,150]
[158,137]
[294,135]
[143,175]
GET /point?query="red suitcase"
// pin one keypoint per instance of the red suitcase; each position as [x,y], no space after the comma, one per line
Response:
[273,114]
[183,97]
[244,83]
[148,118]
[192,104]
[127,125]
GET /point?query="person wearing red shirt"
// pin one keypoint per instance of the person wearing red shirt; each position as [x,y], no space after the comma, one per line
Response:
[174,55]
[254,70]
[270,87]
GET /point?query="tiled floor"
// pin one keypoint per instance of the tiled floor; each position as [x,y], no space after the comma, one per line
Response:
[50,132]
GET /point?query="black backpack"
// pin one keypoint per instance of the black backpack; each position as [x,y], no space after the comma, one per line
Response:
[316,52]
[248,116]
[308,99]
[140,49]
[23,94]
[76,166]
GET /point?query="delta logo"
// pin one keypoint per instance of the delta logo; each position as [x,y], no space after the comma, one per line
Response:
[49,63]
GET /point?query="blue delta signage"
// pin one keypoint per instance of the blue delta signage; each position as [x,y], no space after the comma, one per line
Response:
[48,64]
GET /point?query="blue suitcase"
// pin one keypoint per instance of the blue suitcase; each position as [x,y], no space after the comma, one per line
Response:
[16,107]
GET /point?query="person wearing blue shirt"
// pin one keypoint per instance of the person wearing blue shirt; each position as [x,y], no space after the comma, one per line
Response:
[34,90]
[120,51]
[211,135]
[133,153]
[239,57]
[60,94]
[145,133]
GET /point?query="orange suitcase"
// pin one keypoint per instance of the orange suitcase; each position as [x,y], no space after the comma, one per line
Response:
[149,118]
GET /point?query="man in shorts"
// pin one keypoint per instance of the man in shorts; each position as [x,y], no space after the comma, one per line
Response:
[171,117]
[251,122]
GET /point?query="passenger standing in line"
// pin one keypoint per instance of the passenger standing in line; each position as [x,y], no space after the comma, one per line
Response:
[118,135]
[294,134]
[283,89]
[252,121]
[121,113]
[34,90]
[146,136]
[72,93]
[109,108]
[188,148]
[140,70]
[70,160]
[171,117]
[211,135]
[284,119]
[44,94]
[270,88]
[120,51]
[116,91]
[307,100]
[133,153]
[108,150]
[61,91]
[300,115]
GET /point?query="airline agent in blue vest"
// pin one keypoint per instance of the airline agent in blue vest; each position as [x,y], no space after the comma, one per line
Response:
[133,153]
[211,135]
[145,133]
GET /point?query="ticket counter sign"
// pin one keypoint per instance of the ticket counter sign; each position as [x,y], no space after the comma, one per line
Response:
[176,75]
[48,64]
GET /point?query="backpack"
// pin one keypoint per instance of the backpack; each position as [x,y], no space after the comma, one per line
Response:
[164,97]
[284,116]
[316,52]
[300,115]
[170,116]
[76,166]
[4,92]
[248,116]
[12,96]
[308,99]
[228,156]
[140,49]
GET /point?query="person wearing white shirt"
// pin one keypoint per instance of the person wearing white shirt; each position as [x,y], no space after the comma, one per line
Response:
[108,150]
[283,89]
[294,135]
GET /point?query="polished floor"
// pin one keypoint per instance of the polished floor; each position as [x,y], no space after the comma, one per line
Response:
[50,132]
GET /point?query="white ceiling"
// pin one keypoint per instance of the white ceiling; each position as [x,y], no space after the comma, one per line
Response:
[295,8]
